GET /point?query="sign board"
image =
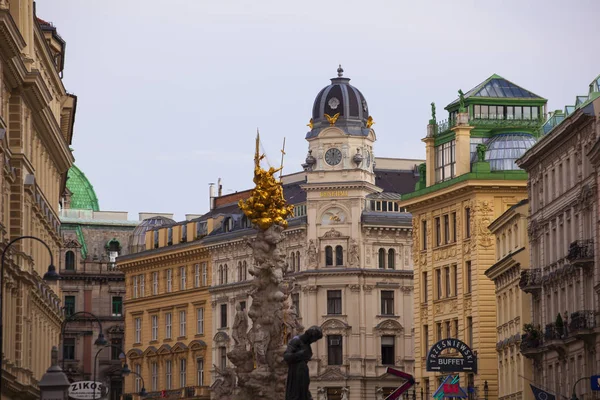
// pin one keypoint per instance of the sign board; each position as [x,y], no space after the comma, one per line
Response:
[85,390]
[450,388]
[436,362]
[595,381]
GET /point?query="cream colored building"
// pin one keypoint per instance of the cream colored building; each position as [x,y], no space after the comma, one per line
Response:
[563,232]
[36,128]
[348,249]
[469,180]
[513,307]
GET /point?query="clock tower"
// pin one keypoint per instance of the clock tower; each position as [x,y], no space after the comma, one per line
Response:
[340,172]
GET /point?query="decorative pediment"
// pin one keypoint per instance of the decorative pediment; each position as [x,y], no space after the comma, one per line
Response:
[197,345]
[335,327]
[332,374]
[150,352]
[389,327]
[116,329]
[134,353]
[71,243]
[164,349]
[332,234]
[221,337]
[179,347]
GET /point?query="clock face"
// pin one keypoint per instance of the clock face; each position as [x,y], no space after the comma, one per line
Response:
[333,156]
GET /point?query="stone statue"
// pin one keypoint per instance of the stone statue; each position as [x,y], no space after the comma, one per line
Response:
[379,393]
[422,169]
[297,355]
[354,258]
[433,113]
[312,253]
[345,393]
[240,327]
[293,327]
[481,149]
[461,99]
[224,385]
[321,393]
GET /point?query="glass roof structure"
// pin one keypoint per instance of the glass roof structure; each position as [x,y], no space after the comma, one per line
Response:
[504,149]
[137,240]
[497,87]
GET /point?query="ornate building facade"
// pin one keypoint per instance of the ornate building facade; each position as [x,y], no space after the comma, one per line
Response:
[348,248]
[36,128]
[563,279]
[469,179]
[168,317]
[91,283]
[513,307]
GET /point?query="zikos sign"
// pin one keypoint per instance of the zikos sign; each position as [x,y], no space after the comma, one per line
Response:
[86,389]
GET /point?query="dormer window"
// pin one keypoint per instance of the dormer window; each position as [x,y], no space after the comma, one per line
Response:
[201,229]
[169,236]
[228,224]
[246,223]
[114,248]
[156,239]
[183,233]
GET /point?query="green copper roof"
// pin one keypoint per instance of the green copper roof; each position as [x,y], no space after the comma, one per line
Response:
[497,87]
[83,196]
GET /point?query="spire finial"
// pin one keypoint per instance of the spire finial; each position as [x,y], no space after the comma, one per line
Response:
[340,71]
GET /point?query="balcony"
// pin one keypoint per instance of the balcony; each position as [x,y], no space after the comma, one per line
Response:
[581,253]
[531,342]
[582,323]
[554,331]
[531,280]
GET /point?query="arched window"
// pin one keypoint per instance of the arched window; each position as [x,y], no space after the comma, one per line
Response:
[339,255]
[298,260]
[220,274]
[391,259]
[516,233]
[225,272]
[239,271]
[245,266]
[328,256]
[70,261]
[293,259]
[381,258]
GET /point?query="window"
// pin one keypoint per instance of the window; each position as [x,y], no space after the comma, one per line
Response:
[387,302]
[438,232]
[169,374]
[135,287]
[391,259]
[182,317]
[69,305]
[423,235]
[204,274]
[334,350]
[438,283]
[381,258]
[454,280]
[242,305]
[467,222]
[424,287]
[425,339]
[199,371]
[138,380]
[156,239]
[339,255]
[197,275]
[117,306]
[168,325]
[297,262]
[438,327]
[328,255]
[455,332]
[448,332]
[296,302]
[223,357]
[388,351]
[445,161]
[115,351]
[334,302]
[169,280]
[154,327]
[200,321]
[138,330]
[292,262]
[184,233]
[69,349]
[70,261]
[470,331]
[201,229]
[154,368]
[182,276]
[221,280]
[468,277]
[169,236]
[453,220]
[225,273]
[245,268]
[446,229]
[182,371]
[155,283]
[223,315]
[142,285]
[447,279]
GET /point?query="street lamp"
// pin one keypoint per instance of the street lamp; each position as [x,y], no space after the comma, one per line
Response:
[124,370]
[100,341]
[485,390]
[143,391]
[574,396]
[50,276]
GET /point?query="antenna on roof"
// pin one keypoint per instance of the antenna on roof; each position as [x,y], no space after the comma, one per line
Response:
[282,154]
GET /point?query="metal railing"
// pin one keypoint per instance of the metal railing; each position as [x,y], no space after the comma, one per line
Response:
[530,279]
[581,250]
[583,319]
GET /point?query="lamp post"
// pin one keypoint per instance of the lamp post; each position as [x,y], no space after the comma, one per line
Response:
[50,276]
[485,390]
[574,396]
[100,341]
[124,370]
[142,392]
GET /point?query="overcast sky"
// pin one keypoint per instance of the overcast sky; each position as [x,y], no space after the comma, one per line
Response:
[170,93]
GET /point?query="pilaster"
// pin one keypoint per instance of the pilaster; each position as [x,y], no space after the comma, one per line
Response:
[462,132]
[429,157]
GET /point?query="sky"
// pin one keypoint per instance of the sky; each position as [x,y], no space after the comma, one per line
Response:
[171,93]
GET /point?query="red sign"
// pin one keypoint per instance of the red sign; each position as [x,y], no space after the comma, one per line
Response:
[451,388]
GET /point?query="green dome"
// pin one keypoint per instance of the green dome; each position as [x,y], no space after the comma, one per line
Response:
[83,196]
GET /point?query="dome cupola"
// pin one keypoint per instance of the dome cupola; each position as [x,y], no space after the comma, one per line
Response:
[342,105]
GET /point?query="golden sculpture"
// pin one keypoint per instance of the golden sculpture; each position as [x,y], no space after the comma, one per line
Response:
[266,205]
[310,124]
[370,122]
[331,119]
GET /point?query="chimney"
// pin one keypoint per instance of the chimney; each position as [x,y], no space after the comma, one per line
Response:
[220,187]
[211,195]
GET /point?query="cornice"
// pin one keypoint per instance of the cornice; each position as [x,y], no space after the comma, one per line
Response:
[172,297]
[503,265]
[318,186]
[157,257]
[40,41]
[11,42]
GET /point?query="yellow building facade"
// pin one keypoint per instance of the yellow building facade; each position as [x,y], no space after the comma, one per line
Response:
[168,315]
[513,306]
[36,128]
[469,179]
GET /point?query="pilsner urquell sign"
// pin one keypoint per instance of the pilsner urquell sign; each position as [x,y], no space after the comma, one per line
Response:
[466,362]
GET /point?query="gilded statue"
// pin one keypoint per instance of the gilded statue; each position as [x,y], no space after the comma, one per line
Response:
[370,122]
[310,124]
[332,120]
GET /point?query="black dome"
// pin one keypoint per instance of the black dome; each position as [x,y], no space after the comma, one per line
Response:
[343,98]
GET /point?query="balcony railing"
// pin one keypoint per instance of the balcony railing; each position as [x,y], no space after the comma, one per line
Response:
[445,125]
[582,320]
[555,332]
[531,280]
[581,252]
[505,123]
